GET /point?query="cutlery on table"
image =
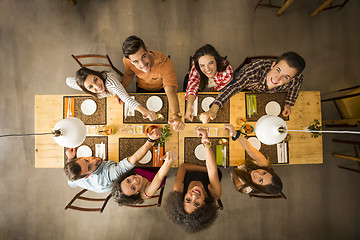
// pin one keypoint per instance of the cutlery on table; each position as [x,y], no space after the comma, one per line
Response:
[103,151]
[254,104]
[285,158]
[158,155]
[249,105]
[223,149]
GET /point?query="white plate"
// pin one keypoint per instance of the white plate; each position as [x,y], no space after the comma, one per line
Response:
[200,152]
[88,107]
[206,103]
[255,142]
[146,158]
[154,103]
[83,151]
[273,108]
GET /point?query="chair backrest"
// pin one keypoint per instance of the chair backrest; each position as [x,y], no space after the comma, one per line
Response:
[267,196]
[220,205]
[92,60]
[151,201]
[88,209]
[248,60]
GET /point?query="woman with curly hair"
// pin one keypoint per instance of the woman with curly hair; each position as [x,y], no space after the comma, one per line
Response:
[256,175]
[209,71]
[104,84]
[192,204]
[141,183]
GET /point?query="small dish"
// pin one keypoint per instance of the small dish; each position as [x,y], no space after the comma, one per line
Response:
[147,158]
[273,108]
[255,142]
[138,129]
[205,104]
[88,107]
[213,132]
[200,152]
[154,103]
[84,151]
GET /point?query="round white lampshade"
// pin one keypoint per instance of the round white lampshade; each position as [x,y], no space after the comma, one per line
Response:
[266,129]
[73,132]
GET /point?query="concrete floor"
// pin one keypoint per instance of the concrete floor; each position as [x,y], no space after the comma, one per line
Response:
[36,40]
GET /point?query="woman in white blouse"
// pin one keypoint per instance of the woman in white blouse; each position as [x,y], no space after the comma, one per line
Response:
[256,175]
[105,84]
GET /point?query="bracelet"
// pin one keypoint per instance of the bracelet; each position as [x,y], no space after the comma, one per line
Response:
[151,140]
[237,135]
[209,146]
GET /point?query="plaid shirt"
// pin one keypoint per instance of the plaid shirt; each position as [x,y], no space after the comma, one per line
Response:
[221,79]
[253,78]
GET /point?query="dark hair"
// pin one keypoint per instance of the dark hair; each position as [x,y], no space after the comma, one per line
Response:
[200,219]
[221,63]
[73,170]
[294,60]
[274,188]
[131,45]
[120,197]
[83,73]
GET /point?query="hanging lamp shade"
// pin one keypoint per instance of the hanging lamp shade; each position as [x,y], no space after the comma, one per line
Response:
[69,132]
[270,129]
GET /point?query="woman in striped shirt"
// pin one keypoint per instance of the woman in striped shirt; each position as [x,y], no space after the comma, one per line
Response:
[209,71]
[105,84]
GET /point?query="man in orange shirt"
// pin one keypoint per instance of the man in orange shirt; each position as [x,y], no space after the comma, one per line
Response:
[154,72]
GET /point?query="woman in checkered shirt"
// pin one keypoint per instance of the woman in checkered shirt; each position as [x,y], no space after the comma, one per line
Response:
[209,72]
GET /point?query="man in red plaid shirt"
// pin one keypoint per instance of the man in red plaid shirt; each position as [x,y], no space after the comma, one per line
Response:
[281,75]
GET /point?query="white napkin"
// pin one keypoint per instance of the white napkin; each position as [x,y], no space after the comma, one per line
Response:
[195,106]
[279,152]
[131,112]
[100,151]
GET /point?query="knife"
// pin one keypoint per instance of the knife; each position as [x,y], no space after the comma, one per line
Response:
[158,155]
[224,156]
[249,105]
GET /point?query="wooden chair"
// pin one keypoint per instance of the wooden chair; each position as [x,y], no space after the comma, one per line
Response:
[80,197]
[356,145]
[220,205]
[331,6]
[248,60]
[347,103]
[270,5]
[267,196]
[93,61]
[150,202]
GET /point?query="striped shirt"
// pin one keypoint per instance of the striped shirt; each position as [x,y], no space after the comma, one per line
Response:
[253,78]
[114,87]
[221,79]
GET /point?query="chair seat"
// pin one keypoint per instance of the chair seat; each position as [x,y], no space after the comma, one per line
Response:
[350,107]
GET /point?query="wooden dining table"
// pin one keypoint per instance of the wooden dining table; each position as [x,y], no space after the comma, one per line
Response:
[49,109]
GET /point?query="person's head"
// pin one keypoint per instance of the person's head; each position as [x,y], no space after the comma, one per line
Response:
[91,81]
[135,50]
[208,62]
[126,189]
[284,69]
[194,197]
[199,219]
[260,179]
[81,167]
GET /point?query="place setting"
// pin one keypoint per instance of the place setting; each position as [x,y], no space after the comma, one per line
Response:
[90,110]
[194,150]
[92,147]
[128,146]
[260,104]
[202,104]
[157,103]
